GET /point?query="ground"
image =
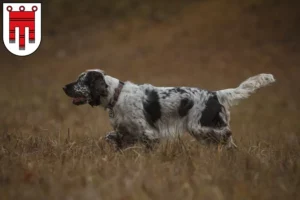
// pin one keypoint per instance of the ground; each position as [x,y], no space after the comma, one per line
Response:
[51,149]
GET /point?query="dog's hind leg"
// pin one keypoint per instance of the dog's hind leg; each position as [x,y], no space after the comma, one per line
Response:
[149,143]
[207,135]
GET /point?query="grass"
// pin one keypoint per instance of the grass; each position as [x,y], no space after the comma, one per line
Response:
[51,149]
[40,166]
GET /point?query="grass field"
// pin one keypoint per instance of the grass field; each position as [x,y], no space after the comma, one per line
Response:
[51,149]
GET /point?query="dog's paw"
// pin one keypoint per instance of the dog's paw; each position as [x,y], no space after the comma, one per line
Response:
[230,144]
[111,137]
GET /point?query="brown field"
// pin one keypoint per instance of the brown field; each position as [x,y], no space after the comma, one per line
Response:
[51,149]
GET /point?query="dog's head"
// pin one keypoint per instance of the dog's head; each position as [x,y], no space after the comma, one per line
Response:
[90,87]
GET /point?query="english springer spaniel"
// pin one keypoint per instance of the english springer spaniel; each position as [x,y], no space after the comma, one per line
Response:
[147,113]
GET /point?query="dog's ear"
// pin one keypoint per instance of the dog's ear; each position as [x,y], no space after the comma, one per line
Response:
[97,83]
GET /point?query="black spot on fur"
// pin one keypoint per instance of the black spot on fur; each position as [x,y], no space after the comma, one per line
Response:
[168,92]
[152,108]
[180,90]
[165,95]
[194,90]
[210,115]
[185,106]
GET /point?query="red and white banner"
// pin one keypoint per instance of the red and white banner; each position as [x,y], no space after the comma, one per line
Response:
[22,27]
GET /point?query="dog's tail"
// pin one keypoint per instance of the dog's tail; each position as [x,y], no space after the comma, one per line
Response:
[232,96]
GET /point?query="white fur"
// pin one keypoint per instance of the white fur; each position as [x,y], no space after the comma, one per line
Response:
[129,110]
[230,97]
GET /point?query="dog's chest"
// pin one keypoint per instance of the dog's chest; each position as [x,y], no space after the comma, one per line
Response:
[114,118]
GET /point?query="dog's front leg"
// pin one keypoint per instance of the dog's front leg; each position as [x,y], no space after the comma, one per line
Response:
[114,138]
[121,140]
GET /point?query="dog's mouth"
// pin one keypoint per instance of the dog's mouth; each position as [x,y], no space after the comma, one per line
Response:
[79,100]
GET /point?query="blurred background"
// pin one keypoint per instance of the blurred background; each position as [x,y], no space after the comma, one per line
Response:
[211,44]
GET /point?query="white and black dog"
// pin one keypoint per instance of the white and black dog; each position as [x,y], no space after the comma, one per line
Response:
[147,113]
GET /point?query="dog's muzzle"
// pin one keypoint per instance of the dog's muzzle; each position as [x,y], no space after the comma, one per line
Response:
[77,100]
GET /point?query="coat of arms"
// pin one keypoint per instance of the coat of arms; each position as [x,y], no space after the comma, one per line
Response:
[22,27]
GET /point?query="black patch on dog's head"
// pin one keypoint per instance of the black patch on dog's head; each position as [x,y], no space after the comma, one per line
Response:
[210,115]
[152,107]
[97,85]
[184,107]
[90,87]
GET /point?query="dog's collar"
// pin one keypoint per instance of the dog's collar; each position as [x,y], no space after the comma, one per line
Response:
[114,100]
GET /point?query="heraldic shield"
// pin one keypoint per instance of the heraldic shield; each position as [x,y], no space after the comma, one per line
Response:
[22,27]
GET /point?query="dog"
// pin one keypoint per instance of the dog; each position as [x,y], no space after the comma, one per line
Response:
[145,113]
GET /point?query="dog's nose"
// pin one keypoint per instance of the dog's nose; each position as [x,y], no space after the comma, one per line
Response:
[65,88]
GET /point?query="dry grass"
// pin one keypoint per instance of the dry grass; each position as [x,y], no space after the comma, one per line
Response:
[51,149]
[55,167]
